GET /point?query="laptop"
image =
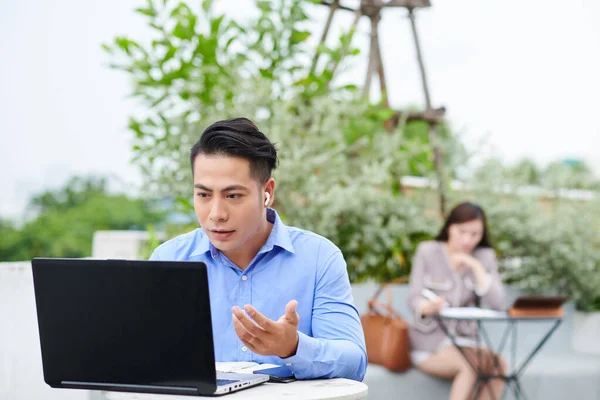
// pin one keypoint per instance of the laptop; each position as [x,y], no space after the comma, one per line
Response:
[131,326]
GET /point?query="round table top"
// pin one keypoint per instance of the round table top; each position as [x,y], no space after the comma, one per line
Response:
[314,389]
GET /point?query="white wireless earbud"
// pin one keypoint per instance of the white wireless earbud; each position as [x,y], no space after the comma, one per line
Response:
[268,198]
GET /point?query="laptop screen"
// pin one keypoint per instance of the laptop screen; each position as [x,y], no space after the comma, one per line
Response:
[125,322]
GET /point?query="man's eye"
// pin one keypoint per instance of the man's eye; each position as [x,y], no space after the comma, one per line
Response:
[202,195]
[234,196]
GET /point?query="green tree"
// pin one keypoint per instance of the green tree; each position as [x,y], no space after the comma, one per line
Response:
[69,217]
[201,67]
[569,174]
[525,171]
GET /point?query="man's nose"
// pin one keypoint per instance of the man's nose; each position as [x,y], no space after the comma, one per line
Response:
[218,210]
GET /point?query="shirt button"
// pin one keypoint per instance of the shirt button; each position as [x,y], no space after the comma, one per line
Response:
[288,364]
[244,348]
[244,277]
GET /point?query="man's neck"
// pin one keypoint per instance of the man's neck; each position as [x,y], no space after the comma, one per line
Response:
[242,257]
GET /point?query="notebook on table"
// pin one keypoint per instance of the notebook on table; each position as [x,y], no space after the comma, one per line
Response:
[537,306]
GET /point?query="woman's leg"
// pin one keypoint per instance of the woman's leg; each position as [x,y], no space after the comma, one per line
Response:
[449,363]
[491,364]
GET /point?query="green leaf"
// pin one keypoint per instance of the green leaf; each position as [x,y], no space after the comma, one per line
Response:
[303,82]
[155,26]
[215,24]
[181,32]
[264,5]
[185,203]
[265,73]
[146,11]
[169,54]
[327,74]
[159,100]
[135,126]
[384,114]
[234,25]
[207,5]
[124,44]
[298,37]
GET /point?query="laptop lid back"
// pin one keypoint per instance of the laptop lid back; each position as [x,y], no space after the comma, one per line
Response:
[125,325]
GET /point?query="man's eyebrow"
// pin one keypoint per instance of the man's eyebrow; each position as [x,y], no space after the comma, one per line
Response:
[202,187]
[227,189]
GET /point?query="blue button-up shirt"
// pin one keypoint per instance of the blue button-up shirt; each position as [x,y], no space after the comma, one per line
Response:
[292,264]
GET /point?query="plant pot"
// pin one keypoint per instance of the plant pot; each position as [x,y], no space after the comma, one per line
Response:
[586,330]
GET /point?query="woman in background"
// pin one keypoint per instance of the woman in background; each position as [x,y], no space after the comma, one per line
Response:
[460,267]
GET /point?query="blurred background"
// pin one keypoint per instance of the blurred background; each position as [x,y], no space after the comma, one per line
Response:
[102,101]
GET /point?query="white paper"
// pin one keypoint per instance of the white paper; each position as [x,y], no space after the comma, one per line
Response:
[234,366]
[471,313]
[242,367]
[257,367]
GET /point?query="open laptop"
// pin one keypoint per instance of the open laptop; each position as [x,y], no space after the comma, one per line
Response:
[133,326]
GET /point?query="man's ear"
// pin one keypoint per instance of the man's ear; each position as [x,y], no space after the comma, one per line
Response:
[269,189]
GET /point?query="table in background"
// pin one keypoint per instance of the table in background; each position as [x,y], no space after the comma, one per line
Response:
[480,316]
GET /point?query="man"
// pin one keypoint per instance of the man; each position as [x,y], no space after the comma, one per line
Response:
[278,294]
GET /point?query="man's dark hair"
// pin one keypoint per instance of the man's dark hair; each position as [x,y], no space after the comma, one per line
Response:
[238,137]
[465,212]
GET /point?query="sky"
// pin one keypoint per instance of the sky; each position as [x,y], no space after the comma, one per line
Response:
[517,81]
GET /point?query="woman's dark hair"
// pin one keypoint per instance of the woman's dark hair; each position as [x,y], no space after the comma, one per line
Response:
[238,137]
[465,212]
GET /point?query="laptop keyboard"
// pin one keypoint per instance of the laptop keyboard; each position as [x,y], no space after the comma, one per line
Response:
[221,382]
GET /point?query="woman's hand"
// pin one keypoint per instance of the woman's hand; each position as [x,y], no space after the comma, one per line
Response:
[463,260]
[433,307]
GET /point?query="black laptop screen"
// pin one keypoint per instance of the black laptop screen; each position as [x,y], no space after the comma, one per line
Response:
[124,322]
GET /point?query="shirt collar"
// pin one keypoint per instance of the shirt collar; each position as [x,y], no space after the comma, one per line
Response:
[279,236]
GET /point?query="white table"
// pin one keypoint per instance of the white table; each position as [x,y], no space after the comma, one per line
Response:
[316,389]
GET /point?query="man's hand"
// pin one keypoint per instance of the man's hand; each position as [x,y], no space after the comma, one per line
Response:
[265,336]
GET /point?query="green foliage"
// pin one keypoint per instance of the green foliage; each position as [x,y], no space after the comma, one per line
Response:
[340,170]
[77,191]
[558,175]
[220,69]
[346,190]
[554,241]
[68,219]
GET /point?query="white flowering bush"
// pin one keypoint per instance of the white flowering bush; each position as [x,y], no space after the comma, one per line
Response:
[548,244]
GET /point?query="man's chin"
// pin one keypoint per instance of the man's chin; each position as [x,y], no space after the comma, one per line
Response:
[223,245]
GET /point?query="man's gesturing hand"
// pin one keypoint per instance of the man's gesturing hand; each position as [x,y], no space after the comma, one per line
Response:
[265,336]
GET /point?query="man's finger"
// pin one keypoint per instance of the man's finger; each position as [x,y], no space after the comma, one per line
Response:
[240,331]
[253,346]
[247,323]
[290,312]
[260,319]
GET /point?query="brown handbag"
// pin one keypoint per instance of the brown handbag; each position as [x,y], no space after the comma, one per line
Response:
[386,332]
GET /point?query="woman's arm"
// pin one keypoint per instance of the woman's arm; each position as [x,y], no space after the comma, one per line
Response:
[420,305]
[489,285]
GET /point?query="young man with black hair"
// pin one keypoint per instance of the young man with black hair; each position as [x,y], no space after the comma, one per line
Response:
[279,294]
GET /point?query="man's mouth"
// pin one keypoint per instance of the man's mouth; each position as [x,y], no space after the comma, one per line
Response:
[221,234]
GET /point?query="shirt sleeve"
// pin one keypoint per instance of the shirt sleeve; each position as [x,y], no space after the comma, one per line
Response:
[415,299]
[165,251]
[154,256]
[337,348]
